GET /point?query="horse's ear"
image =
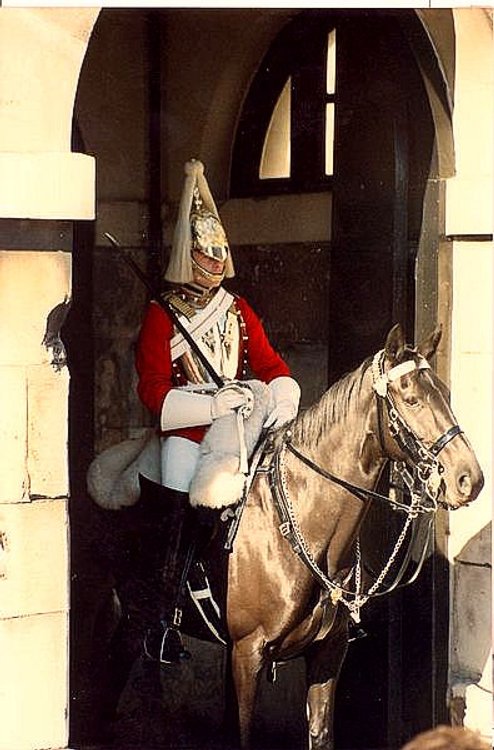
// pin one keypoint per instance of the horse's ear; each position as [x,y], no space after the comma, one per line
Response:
[395,343]
[428,347]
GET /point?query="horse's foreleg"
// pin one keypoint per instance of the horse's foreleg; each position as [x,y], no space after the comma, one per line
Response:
[246,666]
[324,660]
[320,707]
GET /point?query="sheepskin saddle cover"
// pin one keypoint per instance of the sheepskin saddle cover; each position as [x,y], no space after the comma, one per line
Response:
[218,480]
[113,476]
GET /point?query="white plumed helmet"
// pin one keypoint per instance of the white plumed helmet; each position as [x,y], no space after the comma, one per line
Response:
[198,225]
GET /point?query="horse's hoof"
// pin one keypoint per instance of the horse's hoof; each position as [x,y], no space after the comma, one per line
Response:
[355,634]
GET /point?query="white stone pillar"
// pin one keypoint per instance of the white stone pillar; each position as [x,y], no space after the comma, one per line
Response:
[34,561]
[469,226]
[43,188]
[34,600]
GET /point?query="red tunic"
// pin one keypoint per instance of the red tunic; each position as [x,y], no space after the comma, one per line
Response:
[157,376]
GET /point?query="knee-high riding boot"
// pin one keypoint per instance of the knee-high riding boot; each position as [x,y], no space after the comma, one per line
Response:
[164,642]
[180,532]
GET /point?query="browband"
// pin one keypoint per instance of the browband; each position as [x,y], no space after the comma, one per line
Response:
[382,379]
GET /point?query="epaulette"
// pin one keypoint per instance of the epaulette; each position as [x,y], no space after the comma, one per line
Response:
[234,307]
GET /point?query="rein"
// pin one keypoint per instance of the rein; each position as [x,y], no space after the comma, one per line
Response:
[423,480]
[289,528]
[360,492]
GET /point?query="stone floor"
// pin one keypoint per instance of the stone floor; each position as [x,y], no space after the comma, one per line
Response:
[189,714]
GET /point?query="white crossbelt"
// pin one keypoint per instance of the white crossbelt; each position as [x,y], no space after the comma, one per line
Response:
[202,322]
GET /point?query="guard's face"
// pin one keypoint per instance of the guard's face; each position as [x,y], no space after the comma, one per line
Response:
[208,271]
[209,249]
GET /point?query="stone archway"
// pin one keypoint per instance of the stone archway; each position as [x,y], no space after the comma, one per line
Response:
[44,187]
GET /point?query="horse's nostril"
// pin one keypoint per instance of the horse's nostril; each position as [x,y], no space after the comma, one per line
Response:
[465,484]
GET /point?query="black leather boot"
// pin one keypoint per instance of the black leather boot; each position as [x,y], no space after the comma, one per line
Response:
[164,641]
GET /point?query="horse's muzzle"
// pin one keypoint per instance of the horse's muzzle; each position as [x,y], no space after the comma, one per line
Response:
[469,481]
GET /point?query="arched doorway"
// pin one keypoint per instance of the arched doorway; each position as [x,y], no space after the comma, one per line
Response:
[383,153]
[383,164]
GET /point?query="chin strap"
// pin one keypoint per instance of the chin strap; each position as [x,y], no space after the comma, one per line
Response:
[214,278]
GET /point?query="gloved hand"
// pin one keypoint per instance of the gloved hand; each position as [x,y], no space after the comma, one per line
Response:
[232,397]
[184,408]
[284,402]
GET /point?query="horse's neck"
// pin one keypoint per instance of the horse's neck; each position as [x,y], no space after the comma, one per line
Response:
[347,443]
[346,446]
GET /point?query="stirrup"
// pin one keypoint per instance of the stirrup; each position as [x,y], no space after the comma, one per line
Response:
[165,645]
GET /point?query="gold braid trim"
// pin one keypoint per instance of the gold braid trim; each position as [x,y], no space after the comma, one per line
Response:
[181,305]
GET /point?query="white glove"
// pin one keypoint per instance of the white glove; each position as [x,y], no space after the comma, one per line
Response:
[284,401]
[232,398]
[184,408]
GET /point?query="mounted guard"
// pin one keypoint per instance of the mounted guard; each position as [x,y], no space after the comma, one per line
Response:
[195,382]
[294,591]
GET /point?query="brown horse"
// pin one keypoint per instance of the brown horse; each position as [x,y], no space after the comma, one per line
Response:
[292,582]
[295,573]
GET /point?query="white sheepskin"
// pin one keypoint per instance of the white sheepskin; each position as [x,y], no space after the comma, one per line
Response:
[218,481]
[113,476]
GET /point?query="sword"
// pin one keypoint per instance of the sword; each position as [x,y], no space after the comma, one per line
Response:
[156,295]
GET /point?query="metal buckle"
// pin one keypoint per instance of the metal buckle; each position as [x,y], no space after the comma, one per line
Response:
[285,528]
[177,617]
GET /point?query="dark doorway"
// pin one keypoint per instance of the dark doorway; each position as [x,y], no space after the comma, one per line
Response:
[383,151]
[359,282]
[384,146]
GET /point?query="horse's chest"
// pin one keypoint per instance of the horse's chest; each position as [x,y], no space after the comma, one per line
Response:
[268,587]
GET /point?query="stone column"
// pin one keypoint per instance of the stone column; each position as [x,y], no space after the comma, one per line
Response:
[34,600]
[43,189]
[469,227]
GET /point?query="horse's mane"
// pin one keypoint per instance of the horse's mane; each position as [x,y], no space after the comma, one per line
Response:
[335,404]
[338,402]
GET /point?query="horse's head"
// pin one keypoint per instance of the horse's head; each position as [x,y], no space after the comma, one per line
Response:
[420,428]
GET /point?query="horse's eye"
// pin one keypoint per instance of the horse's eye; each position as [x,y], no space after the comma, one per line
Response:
[411,400]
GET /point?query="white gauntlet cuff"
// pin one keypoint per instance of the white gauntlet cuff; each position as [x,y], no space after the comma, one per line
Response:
[183,408]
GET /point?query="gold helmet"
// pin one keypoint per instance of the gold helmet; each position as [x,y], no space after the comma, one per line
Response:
[199,228]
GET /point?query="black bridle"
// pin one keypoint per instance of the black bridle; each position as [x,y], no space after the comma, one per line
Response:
[421,471]
[360,492]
